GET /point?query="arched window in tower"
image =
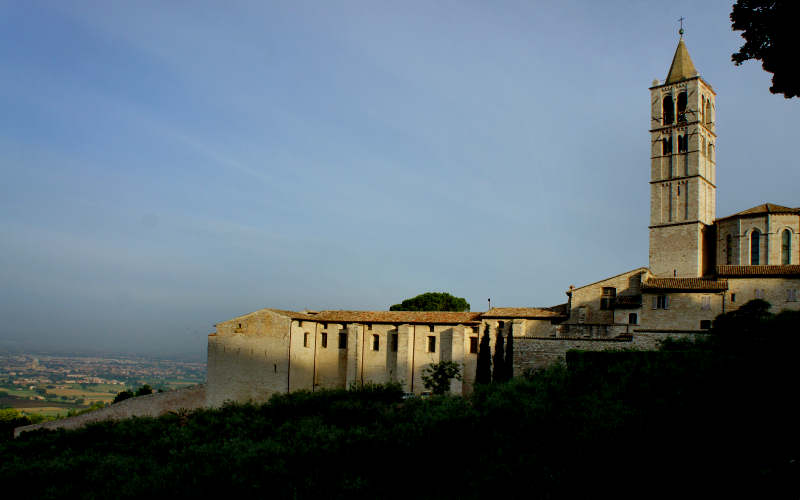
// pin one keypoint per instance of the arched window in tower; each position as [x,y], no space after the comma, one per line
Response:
[668,113]
[786,247]
[669,207]
[686,163]
[708,111]
[685,199]
[683,147]
[703,109]
[755,247]
[683,143]
[666,149]
[682,101]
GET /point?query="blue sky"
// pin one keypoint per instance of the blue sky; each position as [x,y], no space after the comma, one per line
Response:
[169,165]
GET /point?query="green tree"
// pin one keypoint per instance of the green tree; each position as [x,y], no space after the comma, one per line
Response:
[768,28]
[498,363]
[437,376]
[483,371]
[144,390]
[742,327]
[122,396]
[432,301]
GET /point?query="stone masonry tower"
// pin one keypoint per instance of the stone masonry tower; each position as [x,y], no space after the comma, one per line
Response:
[682,171]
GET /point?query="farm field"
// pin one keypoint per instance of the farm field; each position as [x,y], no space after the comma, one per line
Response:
[54,385]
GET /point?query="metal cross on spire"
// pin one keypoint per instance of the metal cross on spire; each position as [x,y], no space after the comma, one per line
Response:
[680,31]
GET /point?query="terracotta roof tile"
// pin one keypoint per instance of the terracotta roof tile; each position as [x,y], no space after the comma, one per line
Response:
[764,208]
[754,271]
[685,284]
[523,312]
[445,317]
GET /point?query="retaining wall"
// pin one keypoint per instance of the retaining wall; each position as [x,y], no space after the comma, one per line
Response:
[151,405]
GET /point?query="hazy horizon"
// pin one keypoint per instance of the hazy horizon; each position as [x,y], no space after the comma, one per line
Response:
[167,168]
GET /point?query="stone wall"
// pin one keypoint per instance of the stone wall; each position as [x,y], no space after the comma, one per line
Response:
[531,354]
[248,358]
[685,310]
[773,290]
[585,301]
[771,227]
[151,405]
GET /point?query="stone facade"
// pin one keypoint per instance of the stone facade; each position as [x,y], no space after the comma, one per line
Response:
[763,235]
[699,267]
[604,308]
[252,357]
[682,169]
[782,292]
[532,354]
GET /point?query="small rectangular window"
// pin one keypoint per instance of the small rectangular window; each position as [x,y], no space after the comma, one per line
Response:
[733,297]
[791,295]
[473,345]
[706,303]
[299,323]
[661,302]
[324,339]
[394,342]
[342,341]
[376,343]
[430,328]
[369,326]
[305,339]
[705,324]
[324,326]
[475,329]
[633,318]
[759,293]
[431,344]
[608,297]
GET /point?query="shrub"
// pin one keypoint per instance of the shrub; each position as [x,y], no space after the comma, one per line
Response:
[437,376]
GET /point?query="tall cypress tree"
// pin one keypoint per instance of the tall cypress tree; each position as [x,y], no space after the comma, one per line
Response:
[499,368]
[483,373]
[510,354]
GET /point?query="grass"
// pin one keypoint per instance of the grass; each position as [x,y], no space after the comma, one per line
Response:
[22,393]
[46,411]
[22,399]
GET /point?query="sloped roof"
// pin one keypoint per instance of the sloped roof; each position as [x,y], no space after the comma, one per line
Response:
[757,271]
[685,284]
[764,208]
[522,312]
[632,271]
[446,317]
[682,67]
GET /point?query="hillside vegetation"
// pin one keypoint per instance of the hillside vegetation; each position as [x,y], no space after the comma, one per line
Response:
[695,419]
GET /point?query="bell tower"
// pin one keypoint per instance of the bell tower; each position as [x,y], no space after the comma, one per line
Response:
[682,171]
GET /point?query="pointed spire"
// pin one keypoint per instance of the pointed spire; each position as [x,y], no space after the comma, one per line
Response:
[682,66]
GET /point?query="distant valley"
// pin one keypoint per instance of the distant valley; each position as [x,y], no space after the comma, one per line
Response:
[53,385]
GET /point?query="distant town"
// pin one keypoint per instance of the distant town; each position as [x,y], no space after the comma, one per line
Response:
[53,385]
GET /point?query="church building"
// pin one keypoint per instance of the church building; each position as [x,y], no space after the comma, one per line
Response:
[699,267]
